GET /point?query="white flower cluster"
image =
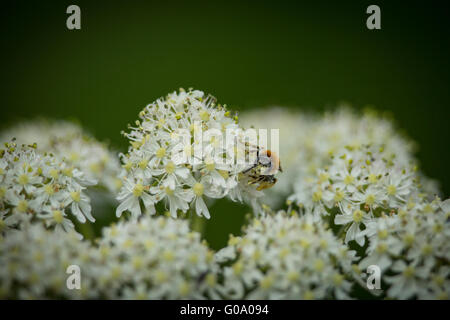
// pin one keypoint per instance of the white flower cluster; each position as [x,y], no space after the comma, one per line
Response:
[352,179]
[154,258]
[149,258]
[309,142]
[40,187]
[34,261]
[286,257]
[413,247]
[361,183]
[177,156]
[68,142]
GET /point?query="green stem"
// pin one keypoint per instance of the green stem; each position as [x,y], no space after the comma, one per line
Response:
[87,230]
[197,223]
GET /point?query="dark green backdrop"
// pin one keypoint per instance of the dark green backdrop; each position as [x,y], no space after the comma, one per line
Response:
[309,54]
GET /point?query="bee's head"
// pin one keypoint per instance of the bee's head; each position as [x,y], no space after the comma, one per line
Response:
[271,161]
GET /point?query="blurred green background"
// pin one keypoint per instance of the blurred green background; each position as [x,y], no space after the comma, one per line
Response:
[310,54]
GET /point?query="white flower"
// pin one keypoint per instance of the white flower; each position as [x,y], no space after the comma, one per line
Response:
[285,257]
[412,246]
[178,153]
[34,186]
[34,262]
[355,219]
[161,253]
[69,142]
[309,142]
[130,196]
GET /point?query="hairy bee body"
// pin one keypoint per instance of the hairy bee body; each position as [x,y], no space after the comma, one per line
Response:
[263,171]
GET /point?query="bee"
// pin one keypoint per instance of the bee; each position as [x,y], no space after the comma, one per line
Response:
[263,171]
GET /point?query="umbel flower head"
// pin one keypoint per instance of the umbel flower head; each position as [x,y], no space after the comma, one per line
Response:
[68,142]
[360,185]
[153,258]
[185,149]
[285,256]
[309,142]
[35,187]
[34,262]
[413,248]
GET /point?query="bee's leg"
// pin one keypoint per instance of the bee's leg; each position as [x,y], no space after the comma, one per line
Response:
[247,170]
[256,179]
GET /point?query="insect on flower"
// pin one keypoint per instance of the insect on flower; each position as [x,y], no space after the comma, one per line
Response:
[263,171]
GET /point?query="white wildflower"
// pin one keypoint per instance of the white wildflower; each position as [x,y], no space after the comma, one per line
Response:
[40,188]
[68,142]
[285,257]
[178,154]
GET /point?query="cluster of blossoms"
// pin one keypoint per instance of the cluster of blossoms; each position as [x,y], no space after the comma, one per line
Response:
[284,256]
[152,258]
[184,150]
[309,142]
[351,182]
[35,187]
[34,263]
[68,142]
[361,183]
[412,248]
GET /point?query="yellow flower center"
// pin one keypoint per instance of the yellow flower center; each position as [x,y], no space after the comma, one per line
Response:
[161,152]
[409,239]
[317,196]
[210,165]
[381,248]
[170,167]
[266,282]
[319,265]
[76,196]
[23,179]
[58,216]
[198,189]
[68,171]
[391,190]
[427,249]
[22,206]
[357,215]
[349,179]
[138,190]
[204,115]
[382,234]
[338,279]
[370,199]
[128,165]
[323,177]
[168,255]
[224,174]
[143,164]
[373,178]
[48,188]
[293,276]
[237,268]
[339,196]
[54,173]
[211,280]
[168,191]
